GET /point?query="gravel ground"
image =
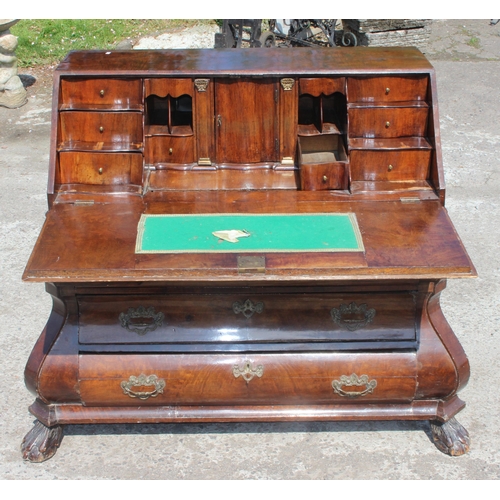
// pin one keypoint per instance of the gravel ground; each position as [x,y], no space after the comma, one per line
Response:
[198,37]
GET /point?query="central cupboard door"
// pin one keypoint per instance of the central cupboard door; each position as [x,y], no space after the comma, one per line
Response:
[246,120]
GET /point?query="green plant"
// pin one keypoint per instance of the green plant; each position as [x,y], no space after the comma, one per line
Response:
[474,42]
[47,41]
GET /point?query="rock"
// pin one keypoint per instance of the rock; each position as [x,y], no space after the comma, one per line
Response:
[12,91]
[124,45]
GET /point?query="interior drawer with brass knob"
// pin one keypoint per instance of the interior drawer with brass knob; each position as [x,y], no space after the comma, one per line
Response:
[386,165]
[387,89]
[169,149]
[387,122]
[76,167]
[101,93]
[242,378]
[94,130]
[323,163]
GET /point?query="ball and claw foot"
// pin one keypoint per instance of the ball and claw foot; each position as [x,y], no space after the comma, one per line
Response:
[41,442]
[450,437]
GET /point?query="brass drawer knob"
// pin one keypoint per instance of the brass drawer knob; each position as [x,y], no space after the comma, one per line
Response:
[170,151]
[101,129]
[100,171]
[325,179]
[387,124]
[390,167]
[101,93]
[387,90]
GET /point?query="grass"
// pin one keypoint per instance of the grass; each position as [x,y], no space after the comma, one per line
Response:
[474,42]
[47,41]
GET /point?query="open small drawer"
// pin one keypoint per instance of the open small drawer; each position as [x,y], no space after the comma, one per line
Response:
[323,163]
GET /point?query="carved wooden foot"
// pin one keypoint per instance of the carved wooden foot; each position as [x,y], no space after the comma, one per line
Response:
[450,437]
[41,442]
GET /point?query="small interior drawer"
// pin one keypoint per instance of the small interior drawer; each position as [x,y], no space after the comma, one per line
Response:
[323,163]
[169,149]
[101,93]
[387,89]
[387,122]
[100,130]
[99,168]
[384,165]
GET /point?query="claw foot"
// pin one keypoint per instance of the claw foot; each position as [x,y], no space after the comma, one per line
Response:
[450,437]
[41,442]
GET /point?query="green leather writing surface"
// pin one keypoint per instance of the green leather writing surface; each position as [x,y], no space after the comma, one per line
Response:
[267,233]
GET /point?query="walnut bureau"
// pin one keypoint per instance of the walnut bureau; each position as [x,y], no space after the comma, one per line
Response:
[334,154]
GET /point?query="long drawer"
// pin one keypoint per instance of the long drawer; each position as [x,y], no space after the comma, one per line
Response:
[229,379]
[236,320]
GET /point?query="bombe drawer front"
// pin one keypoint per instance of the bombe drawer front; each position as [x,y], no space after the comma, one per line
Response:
[131,380]
[236,321]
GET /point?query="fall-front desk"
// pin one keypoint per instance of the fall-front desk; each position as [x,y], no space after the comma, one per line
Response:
[246,235]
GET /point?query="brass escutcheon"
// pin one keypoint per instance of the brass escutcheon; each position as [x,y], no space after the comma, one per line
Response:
[247,372]
[143,381]
[354,380]
[141,320]
[352,316]
[287,83]
[201,84]
[248,308]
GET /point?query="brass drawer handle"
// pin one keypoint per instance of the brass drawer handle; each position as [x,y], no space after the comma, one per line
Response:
[387,90]
[101,129]
[170,151]
[354,380]
[352,317]
[325,179]
[387,124]
[143,381]
[141,320]
[247,372]
[100,171]
[101,93]
[390,168]
[248,308]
